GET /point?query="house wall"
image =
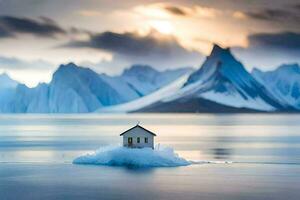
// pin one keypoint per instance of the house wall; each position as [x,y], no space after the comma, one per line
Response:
[141,133]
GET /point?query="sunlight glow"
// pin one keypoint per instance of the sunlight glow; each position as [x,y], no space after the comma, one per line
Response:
[152,11]
[162,26]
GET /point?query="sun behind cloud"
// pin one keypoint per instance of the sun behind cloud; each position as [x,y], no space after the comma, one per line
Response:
[162,26]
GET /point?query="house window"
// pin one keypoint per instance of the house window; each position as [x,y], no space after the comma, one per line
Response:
[146,140]
[130,140]
[138,140]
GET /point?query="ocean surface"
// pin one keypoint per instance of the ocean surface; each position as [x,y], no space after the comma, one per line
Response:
[256,156]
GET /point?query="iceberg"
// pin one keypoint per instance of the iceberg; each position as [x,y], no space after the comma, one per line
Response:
[122,156]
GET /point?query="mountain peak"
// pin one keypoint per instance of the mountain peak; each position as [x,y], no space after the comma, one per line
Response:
[217,50]
[65,66]
[256,70]
[71,68]
[6,81]
[139,69]
[4,75]
[219,63]
[293,68]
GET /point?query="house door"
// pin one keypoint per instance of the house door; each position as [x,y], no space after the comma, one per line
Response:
[129,141]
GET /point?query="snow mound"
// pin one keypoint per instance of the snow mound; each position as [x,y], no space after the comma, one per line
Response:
[121,156]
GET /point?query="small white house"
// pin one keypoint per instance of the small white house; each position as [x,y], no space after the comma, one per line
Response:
[138,137]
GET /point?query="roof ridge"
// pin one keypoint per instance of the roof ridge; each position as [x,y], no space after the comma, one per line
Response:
[140,127]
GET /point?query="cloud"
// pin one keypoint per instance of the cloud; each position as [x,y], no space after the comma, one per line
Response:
[45,27]
[167,10]
[175,10]
[283,40]
[154,48]
[271,49]
[90,13]
[192,11]
[25,71]
[15,64]
[4,33]
[288,18]
[285,18]
[273,14]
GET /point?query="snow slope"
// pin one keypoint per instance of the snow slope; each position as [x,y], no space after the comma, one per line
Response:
[145,79]
[283,82]
[154,97]
[224,80]
[6,82]
[221,85]
[75,89]
[7,91]
[221,80]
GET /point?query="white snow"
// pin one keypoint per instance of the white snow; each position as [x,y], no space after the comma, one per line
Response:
[122,156]
[121,87]
[227,83]
[6,82]
[75,89]
[236,100]
[154,97]
[283,82]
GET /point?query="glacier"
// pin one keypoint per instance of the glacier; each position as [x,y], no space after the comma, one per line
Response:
[145,79]
[283,82]
[221,82]
[224,79]
[7,91]
[156,96]
[75,89]
[6,82]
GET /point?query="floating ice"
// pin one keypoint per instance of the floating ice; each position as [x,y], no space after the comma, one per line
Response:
[121,156]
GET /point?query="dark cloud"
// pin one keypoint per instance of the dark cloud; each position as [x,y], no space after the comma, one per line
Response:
[4,33]
[270,49]
[275,15]
[8,63]
[175,10]
[285,18]
[297,6]
[153,48]
[45,27]
[131,44]
[270,14]
[284,40]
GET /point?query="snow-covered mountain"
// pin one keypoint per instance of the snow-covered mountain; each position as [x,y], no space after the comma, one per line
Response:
[6,82]
[75,89]
[221,85]
[145,80]
[72,90]
[224,81]
[7,90]
[283,82]
[149,99]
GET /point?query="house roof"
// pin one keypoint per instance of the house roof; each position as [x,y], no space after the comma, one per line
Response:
[139,127]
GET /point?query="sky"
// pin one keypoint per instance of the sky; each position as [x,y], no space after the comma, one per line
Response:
[36,36]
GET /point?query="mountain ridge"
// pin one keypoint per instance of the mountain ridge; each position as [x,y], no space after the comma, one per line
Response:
[223,79]
[283,82]
[73,89]
[220,85]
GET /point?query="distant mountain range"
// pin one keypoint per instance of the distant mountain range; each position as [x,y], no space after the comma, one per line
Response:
[283,82]
[75,89]
[220,85]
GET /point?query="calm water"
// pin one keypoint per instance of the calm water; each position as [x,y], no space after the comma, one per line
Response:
[36,152]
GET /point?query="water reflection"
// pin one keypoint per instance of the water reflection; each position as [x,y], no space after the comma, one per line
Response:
[222,153]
